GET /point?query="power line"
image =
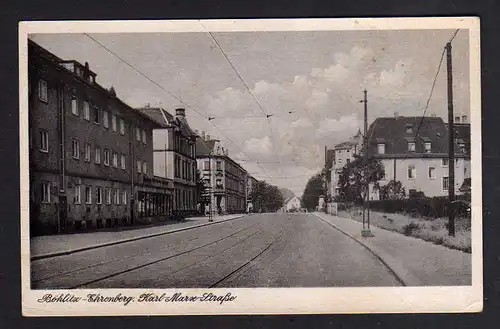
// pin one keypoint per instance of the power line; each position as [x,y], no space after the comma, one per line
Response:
[168,92]
[245,85]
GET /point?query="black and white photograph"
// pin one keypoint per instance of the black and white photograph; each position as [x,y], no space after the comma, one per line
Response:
[250,166]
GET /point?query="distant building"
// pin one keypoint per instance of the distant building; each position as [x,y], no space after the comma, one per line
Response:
[174,149]
[225,178]
[87,168]
[420,162]
[342,154]
[291,204]
[251,182]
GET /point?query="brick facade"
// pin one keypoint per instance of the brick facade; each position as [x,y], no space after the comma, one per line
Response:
[84,152]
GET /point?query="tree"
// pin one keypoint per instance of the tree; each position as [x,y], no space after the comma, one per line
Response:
[355,176]
[393,190]
[266,197]
[314,188]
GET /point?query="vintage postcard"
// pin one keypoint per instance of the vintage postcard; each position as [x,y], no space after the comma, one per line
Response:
[250,166]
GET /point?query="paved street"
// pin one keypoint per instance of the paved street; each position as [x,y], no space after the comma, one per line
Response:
[261,250]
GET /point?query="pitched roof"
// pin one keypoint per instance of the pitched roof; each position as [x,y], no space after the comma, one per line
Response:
[155,114]
[204,147]
[354,140]
[396,133]
[462,134]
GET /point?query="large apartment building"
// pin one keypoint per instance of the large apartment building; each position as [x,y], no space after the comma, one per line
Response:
[174,147]
[90,154]
[225,179]
[419,162]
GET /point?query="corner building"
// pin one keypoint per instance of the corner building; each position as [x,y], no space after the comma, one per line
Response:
[90,154]
[225,179]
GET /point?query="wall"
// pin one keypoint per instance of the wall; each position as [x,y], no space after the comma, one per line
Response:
[422,182]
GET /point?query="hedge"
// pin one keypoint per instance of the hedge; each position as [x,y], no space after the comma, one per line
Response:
[424,206]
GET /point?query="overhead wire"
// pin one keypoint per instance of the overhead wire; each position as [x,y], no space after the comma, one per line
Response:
[171,94]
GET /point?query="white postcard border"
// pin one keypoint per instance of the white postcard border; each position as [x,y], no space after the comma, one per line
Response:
[264,300]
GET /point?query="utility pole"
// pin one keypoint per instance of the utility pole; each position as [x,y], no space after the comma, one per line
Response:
[366,215]
[451,146]
[210,219]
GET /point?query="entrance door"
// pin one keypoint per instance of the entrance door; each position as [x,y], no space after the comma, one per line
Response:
[63,213]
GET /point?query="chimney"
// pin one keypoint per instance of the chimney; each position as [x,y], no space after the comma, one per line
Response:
[196,132]
[203,135]
[464,119]
[433,115]
[457,119]
[396,114]
[208,137]
[180,113]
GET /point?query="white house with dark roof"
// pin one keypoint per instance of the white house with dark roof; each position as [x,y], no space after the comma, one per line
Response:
[291,203]
[419,162]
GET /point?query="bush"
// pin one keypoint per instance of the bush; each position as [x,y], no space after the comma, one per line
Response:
[428,207]
[408,229]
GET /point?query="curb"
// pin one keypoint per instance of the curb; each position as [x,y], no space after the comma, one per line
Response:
[142,237]
[398,276]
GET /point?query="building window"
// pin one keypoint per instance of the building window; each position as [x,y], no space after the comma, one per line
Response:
[124,197]
[139,166]
[122,161]
[74,105]
[97,155]
[75,149]
[427,146]
[412,172]
[86,111]
[444,162]
[78,196]
[144,136]
[98,194]
[42,91]
[87,152]
[206,165]
[106,157]
[88,195]
[96,115]
[144,167]
[411,146]
[381,148]
[44,141]
[115,159]
[432,172]
[107,195]
[45,192]
[116,197]
[113,122]
[446,183]
[122,127]
[105,119]
[138,134]
[219,165]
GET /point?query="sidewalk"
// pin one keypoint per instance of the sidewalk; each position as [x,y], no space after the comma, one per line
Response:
[64,244]
[414,261]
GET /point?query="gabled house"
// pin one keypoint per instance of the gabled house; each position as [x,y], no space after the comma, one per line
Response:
[291,203]
[418,161]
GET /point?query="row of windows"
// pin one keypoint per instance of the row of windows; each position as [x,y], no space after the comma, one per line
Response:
[183,169]
[183,146]
[95,114]
[102,195]
[110,157]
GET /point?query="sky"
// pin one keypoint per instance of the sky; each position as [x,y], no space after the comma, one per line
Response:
[311,84]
